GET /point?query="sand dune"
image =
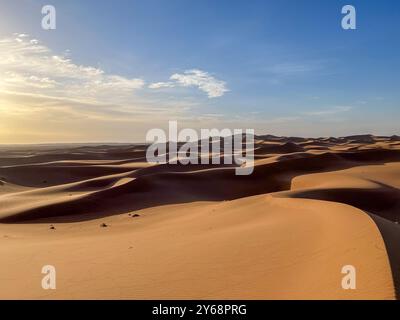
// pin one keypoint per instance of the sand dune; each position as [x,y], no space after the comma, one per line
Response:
[310,207]
[250,248]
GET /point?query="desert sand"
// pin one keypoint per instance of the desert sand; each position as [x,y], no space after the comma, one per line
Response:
[116,227]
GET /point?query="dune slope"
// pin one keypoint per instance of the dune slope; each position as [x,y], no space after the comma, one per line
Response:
[311,207]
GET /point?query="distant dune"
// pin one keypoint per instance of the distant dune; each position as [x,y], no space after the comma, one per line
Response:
[310,207]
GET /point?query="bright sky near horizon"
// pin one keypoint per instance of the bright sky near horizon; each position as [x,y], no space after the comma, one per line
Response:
[114,69]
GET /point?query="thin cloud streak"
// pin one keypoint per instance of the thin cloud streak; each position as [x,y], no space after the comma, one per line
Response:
[202,80]
[335,110]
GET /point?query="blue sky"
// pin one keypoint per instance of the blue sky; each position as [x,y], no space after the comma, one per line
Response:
[286,67]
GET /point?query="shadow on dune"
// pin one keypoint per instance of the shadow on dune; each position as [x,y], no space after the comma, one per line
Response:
[174,184]
[382,204]
[391,236]
[383,201]
[68,188]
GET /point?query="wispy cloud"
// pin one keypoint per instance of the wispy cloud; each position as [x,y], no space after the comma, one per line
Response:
[331,111]
[280,73]
[34,79]
[42,89]
[28,66]
[195,78]
[287,69]
[161,85]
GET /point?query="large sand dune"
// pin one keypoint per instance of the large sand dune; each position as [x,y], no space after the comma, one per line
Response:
[311,207]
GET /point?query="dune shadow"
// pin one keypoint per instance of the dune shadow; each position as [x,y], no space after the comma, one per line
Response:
[177,184]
